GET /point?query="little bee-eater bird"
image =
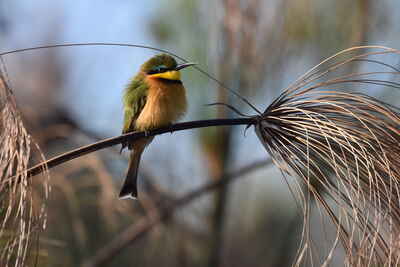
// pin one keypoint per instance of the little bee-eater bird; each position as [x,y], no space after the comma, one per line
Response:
[154,98]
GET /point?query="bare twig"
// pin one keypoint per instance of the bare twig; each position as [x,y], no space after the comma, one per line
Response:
[144,225]
[133,136]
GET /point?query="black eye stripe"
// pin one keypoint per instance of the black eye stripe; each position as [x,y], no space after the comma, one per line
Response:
[158,70]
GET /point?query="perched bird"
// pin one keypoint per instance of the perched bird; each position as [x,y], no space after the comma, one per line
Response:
[154,98]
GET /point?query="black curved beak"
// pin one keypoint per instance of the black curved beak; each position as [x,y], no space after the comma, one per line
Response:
[182,66]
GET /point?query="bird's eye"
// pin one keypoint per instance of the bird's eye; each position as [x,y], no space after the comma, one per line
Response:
[158,69]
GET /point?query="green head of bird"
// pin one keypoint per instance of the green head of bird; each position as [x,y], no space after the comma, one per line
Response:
[163,66]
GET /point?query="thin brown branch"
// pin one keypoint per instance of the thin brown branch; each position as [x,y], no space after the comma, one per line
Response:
[39,168]
[144,225]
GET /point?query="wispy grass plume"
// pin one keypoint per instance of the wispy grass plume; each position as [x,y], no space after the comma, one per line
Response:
[345,148]
[19,218]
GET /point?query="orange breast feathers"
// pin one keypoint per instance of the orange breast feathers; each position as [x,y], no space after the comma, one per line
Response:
[165,104]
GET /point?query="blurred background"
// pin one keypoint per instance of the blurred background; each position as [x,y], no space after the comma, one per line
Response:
[72,96]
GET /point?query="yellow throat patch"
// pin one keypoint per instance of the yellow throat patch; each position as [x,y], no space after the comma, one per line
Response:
[169,75]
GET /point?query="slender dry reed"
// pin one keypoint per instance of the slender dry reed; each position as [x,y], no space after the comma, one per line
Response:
[19,219]
[345,148]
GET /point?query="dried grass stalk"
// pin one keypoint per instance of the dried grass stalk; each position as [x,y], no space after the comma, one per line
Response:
[345,148]
[19,218]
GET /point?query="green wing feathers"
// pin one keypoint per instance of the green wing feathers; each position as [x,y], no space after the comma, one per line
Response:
[134,100]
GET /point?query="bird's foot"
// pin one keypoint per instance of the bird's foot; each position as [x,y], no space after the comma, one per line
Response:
[123,145]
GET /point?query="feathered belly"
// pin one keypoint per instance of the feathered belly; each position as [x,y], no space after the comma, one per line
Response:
[165,104]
